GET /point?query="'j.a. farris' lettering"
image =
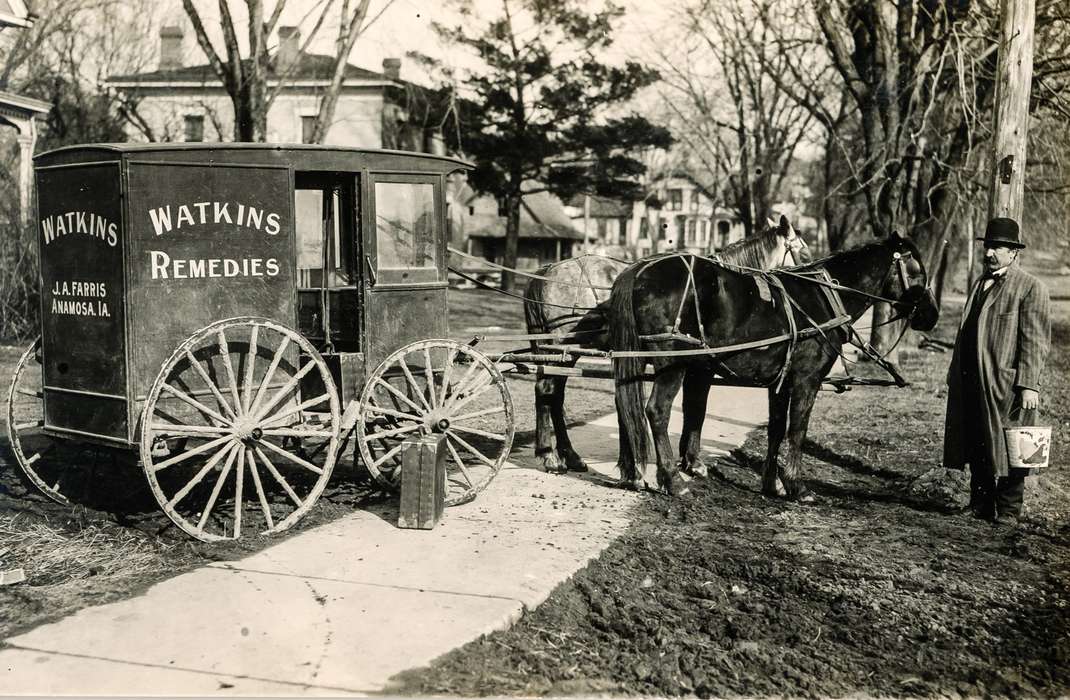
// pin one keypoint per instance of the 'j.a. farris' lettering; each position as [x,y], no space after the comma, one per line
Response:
[167,218]
[83,222]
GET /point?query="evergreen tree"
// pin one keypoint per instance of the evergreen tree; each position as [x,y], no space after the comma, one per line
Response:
[543,112]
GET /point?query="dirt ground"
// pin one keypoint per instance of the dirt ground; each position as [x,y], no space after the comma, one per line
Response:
[883,587]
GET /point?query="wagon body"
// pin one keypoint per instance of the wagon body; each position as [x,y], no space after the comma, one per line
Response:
[141,245]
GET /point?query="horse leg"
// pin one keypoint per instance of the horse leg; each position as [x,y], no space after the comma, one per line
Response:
[545,388]
[777,428]
[567,459]
[803,396]
[696,392]
[658,409]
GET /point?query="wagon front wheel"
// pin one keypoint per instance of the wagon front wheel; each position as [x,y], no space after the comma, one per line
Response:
[437,387]
[240,430]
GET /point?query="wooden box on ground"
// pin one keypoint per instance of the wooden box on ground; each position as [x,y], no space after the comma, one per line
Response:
[423,482]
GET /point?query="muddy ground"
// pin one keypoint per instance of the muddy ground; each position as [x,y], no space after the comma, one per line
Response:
[883,587]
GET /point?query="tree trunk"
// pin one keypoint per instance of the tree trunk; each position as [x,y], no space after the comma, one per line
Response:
[512,239]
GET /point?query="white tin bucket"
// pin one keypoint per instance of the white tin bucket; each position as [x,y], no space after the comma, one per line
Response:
[1028,447]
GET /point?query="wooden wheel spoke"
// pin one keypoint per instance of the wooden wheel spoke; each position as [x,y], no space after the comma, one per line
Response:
[291,456]
[382,382]
[193,452]
[250,367]
[220,480]
[412,383]
[476,431]
[270,374]
[275,417]
[391,412]
[180,429]
[255,473]
[195,363]
[186,398]
[208,466]
[239,488]
[224,350]
[461,386]
[447,375]
[32,424]
[388,455]
[460,463]
[278,477]
[393,433]
[32,394]
[286,389]
[473,395]
[479,414]
[293,432]
[479,455]
[429,377]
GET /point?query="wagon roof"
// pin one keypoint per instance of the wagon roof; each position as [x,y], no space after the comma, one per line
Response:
[141,147]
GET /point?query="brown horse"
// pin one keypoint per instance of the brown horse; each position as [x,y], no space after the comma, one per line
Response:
[735,309]
[573,299]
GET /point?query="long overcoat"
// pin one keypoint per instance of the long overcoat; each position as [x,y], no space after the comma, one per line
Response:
[1014,334]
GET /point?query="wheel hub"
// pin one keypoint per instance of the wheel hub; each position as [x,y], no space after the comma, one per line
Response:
[248,431]
[437,422]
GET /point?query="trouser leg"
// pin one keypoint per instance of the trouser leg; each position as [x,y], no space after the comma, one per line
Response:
[982,490]
[1010,492]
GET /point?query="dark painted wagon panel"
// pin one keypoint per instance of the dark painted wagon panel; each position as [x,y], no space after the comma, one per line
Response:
[207,242]
[82,311]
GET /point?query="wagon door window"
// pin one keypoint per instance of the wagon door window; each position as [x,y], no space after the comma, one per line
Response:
[407,232]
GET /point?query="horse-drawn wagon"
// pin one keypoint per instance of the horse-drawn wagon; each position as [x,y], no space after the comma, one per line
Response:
[230,314]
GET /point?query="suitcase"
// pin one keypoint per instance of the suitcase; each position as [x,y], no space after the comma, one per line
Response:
[423,482]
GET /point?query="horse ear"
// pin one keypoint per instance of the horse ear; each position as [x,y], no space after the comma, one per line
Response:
[784,227]
[772,224]
[895,236]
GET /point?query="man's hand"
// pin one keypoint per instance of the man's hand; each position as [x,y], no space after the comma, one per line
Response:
[1030,399]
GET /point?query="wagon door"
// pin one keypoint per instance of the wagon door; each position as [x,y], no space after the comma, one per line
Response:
[405,246]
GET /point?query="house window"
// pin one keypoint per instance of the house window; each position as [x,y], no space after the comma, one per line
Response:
[691,232]
[676,200]
[308,128]
[601,229]
[694,200]
[644,228]
[195,127]
[663,228]
[723,230]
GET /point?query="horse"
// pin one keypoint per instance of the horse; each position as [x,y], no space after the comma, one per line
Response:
[566,298]
[743,314]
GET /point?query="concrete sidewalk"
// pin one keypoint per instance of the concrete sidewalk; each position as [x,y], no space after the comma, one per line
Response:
[342,608]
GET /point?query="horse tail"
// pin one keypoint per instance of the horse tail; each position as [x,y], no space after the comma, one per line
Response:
[628,371]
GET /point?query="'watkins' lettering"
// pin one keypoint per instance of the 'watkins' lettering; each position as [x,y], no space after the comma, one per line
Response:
[57,225]
[165,219]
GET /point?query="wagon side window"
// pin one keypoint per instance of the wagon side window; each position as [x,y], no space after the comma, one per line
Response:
[319,235]
[406,232]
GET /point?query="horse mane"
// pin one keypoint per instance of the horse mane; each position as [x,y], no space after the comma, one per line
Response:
[749,252]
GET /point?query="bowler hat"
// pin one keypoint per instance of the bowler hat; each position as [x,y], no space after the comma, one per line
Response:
[1003,231]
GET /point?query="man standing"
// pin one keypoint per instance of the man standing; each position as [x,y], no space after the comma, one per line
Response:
[995,374]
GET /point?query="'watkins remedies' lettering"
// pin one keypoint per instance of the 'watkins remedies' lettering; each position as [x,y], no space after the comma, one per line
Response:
[213,213]
[52,227]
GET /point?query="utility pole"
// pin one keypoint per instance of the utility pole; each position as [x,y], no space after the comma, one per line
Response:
[1014,75]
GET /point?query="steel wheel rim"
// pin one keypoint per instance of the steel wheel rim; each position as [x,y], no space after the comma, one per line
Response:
[253,425]
[470,405]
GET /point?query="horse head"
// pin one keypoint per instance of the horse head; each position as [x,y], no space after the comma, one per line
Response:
[908,284]
[796,252]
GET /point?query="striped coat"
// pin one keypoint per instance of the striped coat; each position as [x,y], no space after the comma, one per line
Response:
[1014,335]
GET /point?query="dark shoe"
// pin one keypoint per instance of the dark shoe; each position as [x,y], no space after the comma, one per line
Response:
[984,513]
[1008,520]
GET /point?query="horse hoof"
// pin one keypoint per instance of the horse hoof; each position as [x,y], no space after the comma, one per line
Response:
[575,463]
[678,487]
[631,484]
[552,465]
[698,470]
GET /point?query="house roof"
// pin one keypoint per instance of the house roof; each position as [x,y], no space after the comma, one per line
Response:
[14,13]
[529,229]
[603,207]
[308,67]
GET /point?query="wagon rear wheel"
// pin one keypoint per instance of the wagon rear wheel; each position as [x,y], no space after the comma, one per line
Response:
[240,430]
[437,386]
[43,458]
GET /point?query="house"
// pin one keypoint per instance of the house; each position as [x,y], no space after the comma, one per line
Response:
[189,103]
[679,214]
[21,112]
[546,233]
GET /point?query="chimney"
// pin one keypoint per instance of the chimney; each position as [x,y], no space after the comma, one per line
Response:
[170,47]
[289,47]
[392,68]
